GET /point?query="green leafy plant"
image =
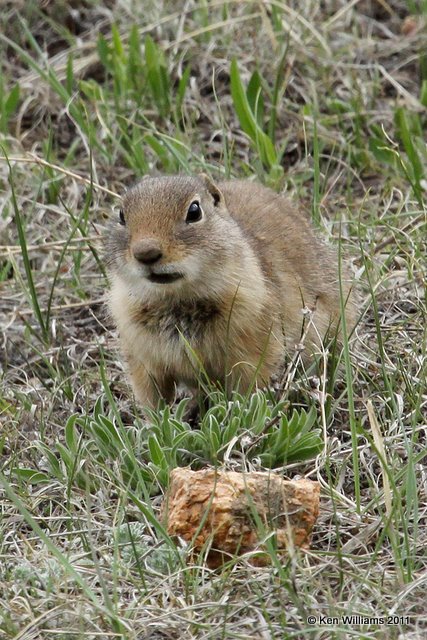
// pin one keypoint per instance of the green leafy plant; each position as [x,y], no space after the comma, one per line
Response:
[137,548]
[249,106]
[157,76]
[66,462]
[292,439]
[254,426]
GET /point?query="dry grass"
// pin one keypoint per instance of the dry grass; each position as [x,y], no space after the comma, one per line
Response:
[81,555]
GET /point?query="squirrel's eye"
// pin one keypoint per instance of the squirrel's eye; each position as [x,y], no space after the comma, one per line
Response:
[194,213]
[122,217]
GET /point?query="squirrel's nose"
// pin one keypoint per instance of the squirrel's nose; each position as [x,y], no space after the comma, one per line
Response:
[147,251]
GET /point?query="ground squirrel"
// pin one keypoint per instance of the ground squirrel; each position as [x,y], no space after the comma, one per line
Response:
[214,278]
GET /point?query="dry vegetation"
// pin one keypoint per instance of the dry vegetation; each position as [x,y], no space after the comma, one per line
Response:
[88,104]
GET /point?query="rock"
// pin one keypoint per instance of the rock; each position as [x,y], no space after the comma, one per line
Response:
[230,513]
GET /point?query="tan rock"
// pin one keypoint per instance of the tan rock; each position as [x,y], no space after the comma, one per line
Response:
[230,513]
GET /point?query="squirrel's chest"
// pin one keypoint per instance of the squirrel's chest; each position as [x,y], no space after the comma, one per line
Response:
[191,320]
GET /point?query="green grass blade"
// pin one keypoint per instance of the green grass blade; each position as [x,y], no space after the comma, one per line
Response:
[26,258]
[405,134]
[248,120]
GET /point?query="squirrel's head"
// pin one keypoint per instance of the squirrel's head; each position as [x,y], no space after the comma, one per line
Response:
[173,234]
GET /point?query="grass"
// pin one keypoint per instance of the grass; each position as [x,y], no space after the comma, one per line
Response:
[327,102]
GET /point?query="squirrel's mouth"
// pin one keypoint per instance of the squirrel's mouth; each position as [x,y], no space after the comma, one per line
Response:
[164,278]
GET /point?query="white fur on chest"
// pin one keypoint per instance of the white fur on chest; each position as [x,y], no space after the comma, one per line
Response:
[139,342]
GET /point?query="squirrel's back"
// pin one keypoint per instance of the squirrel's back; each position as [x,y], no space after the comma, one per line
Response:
[289,249]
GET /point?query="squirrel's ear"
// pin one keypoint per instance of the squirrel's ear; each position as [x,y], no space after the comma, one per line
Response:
[216,194]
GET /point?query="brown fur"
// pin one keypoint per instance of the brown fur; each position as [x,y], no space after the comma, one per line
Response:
[244,274]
